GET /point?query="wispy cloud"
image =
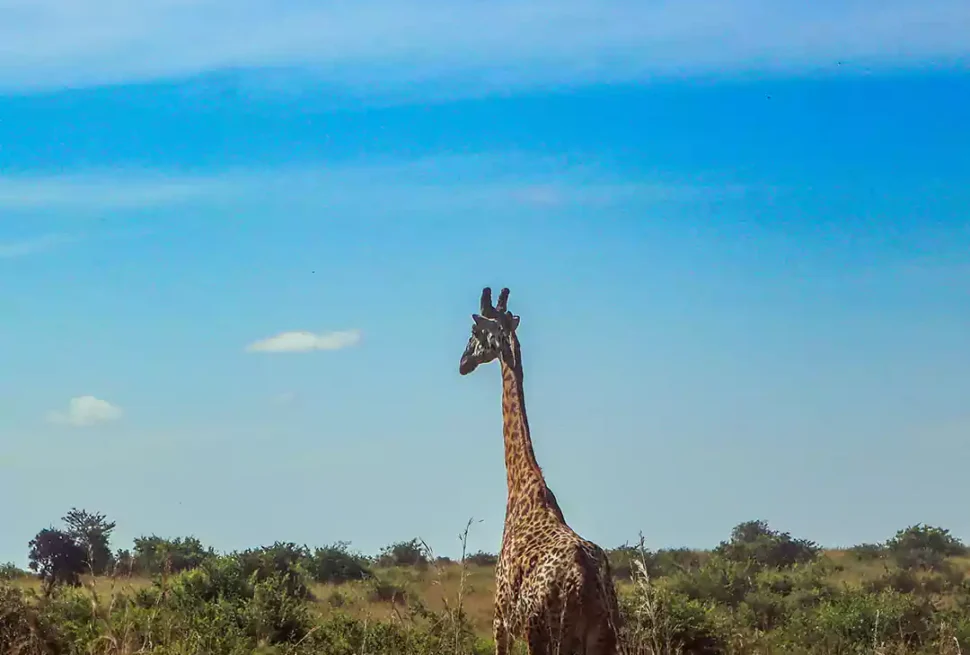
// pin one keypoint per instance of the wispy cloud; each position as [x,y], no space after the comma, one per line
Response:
[100,190]
[382,43]
[302,342]
[285,399]
[32,246]
[86,410]
[499,180]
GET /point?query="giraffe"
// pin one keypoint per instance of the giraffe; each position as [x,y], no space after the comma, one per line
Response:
[553,589]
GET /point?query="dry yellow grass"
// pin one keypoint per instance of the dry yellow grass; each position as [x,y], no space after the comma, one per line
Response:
[105,586]
[436,589]
[433,587]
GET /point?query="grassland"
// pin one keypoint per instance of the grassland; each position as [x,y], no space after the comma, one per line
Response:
[440,586]
[758,592]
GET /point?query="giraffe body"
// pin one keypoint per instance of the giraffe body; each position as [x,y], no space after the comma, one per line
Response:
[551,591]
[554,589]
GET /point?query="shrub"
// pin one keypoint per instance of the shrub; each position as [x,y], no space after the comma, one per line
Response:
[219,578]
[857,621]
[385,591]
[154,555]
[657,620]
[719,580]
[481,558]
[623,561]
[124,563]
[626,560]
[285,560]
[924,547]
[274,614]
[669,561]
[867,552]
[755,542]
[22,631]
[777,593]
[335,565]
[404,553]
[337,599]
[10,572]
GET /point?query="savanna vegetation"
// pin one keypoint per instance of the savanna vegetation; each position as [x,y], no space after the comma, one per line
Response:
[759,591]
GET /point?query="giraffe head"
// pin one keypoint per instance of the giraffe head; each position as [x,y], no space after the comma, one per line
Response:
[493,332]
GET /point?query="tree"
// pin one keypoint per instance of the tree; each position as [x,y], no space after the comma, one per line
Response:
[154,554]
[57,559]
[924,547]
[93,533]
[755,542]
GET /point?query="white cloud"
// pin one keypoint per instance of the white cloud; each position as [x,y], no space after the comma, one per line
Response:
[34,246]
[385,43]
[86,410]
[301,342]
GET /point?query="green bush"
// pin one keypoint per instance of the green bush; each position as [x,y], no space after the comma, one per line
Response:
[868,552]
[10,572]
[274,614]
[285,560]
[623,561]
[626,560]
[335,565]
[154,555]
[22,630]
[718,580]
[924,547]
[657,620]
[481,558]
[404,553]
[220,578]
[858,622]
[754,542]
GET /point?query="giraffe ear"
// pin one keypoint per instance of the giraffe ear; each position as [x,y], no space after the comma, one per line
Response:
[480,321]
[513,322]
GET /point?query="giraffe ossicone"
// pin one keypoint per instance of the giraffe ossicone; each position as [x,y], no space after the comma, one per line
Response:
[554,589]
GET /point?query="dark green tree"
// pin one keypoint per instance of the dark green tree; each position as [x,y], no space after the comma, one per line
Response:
[92,532]
[57,559]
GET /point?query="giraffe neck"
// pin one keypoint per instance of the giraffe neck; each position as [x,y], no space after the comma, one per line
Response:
[526,484]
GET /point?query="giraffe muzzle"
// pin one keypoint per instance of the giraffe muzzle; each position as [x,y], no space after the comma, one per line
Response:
[466,365]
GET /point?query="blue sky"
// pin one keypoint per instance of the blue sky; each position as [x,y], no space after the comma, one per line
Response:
[240,243]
